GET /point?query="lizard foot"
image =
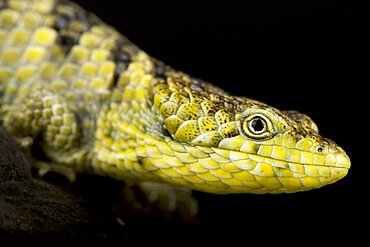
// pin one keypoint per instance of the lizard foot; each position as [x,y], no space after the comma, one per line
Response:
[45,167]
[170,198]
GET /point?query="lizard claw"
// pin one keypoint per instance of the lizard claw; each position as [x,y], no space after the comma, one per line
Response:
[170,198]
[44,168]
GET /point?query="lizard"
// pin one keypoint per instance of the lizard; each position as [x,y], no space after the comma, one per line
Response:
[90,101]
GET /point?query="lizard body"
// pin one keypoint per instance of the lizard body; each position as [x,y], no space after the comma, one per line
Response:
[92,101]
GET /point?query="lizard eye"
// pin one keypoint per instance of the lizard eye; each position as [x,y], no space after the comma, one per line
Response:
[257,126]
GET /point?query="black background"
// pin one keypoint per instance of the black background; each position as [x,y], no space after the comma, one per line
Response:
[311,56]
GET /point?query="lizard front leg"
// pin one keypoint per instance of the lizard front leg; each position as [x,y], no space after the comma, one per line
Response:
[45,114]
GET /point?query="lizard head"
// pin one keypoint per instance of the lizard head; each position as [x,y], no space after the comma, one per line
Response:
[248,146]
[287,146]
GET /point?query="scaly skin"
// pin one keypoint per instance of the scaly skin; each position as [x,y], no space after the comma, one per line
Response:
[92,101]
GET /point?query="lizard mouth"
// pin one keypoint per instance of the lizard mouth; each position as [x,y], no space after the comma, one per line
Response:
[332,160]
[320,171]
[338,160]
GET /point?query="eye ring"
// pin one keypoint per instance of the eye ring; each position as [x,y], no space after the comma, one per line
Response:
[256,126]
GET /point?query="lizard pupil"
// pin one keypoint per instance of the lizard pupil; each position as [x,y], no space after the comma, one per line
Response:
[257,125]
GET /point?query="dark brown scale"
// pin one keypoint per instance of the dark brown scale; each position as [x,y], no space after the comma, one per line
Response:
[67,40]
[160,69]
[3,4]
[121,58]
[68,34]
[61,22]
[225,101]
[74,12]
